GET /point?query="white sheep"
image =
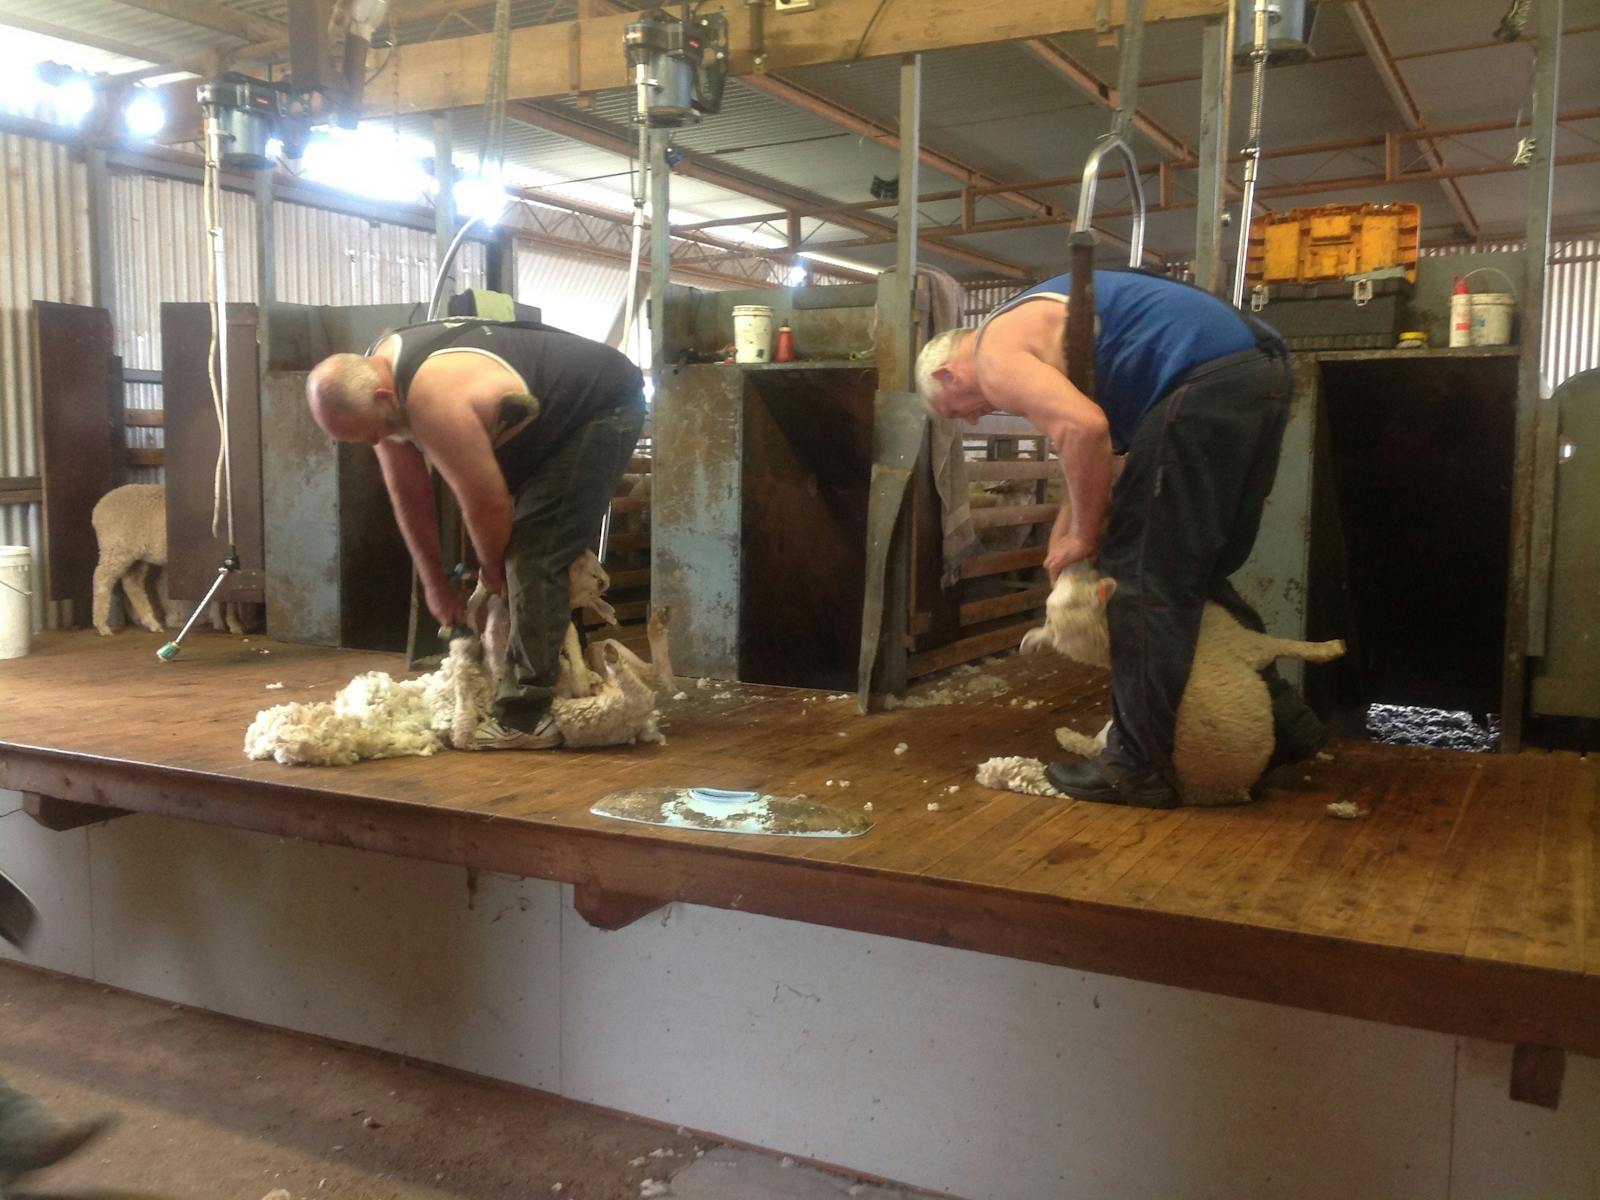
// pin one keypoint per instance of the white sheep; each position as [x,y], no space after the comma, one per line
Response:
[607,699]
[130,525]
[1224,733]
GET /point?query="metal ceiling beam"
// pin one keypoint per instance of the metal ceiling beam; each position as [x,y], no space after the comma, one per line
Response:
[584,55]
[694,167]
[218,18]
[1308,188]
[1366,27]
[93,40]
[829,110]
[273,45]
[1105,95]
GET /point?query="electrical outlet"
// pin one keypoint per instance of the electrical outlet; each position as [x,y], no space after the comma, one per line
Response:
[788,6]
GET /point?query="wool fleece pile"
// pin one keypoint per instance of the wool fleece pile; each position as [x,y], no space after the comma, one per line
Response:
[605,697]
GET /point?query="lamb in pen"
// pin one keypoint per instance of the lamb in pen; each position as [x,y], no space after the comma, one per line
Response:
[1224,736]
[130,525]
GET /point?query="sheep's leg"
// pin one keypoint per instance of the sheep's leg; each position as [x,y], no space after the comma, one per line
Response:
[106,573]
[575,680]
[172,614]
[1074,742]
[230,613]
[135,589]
[660,660]
[1265,650]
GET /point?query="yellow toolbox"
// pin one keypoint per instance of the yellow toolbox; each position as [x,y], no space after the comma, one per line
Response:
[1307,245]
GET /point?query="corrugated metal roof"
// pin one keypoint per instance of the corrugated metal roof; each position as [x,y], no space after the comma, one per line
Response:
[1000,110]
[165,38]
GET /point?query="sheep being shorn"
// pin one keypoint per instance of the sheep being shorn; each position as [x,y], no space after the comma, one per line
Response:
[606,698]
[1224,736]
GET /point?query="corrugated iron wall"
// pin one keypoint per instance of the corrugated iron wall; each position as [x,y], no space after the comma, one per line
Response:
[44,255]
[581,295]
[1572,327]
[325,257]
[161,251]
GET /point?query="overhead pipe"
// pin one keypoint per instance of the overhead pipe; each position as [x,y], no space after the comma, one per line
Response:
[1252,150]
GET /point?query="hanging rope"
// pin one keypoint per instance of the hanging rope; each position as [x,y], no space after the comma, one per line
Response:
[216,287]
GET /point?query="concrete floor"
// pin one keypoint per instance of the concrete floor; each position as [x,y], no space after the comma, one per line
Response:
[210,1108]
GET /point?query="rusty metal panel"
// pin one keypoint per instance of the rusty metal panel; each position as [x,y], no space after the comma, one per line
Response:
[193,554]
[695,515]
[1274,577]
[44,212]
[73,348]
[1567,682]
[300,515]
[807,447]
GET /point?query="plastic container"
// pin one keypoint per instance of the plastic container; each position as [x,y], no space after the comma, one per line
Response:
[16,613]
[1460,315]
[1412,339]
[752,333]
[1313,245]
[1491,318]
[1325,316]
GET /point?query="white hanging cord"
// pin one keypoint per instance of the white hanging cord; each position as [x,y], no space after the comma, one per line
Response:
[217,289]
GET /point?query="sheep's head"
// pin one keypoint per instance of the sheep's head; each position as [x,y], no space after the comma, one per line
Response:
[1075,618]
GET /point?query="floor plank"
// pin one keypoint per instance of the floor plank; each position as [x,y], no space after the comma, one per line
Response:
[1465,899]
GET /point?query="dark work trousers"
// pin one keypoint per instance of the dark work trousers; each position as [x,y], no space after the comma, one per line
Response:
[1184,516]
[555,516]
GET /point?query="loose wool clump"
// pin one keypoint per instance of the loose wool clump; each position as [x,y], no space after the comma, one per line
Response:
[606,699]
[1224,734]
[377,716]
[1015,774]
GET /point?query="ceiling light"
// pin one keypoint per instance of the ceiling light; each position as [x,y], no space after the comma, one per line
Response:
[145,116]
[480,197]
[74,100]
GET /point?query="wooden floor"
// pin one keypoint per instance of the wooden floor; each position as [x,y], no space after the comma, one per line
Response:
[1468,901]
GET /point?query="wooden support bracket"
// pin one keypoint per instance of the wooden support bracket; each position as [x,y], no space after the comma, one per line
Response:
[1536,1074]
[606,909]
[62,815]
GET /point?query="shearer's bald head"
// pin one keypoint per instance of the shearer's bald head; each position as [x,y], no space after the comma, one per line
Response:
[352,397]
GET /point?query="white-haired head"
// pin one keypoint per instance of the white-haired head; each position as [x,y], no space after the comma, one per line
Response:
[352,398]
[947,377]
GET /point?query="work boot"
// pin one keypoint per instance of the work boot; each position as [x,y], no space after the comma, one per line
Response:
[493,735]
[30,1140]
[1095,782]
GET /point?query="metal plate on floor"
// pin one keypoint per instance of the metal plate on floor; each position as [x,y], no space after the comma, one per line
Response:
[732,812]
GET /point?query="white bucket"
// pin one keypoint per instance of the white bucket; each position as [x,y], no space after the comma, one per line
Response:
[16,613]
[752,333]
[1491,318]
